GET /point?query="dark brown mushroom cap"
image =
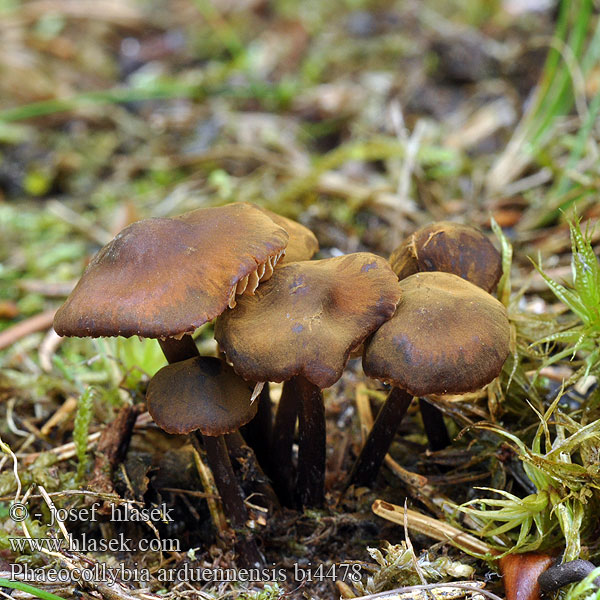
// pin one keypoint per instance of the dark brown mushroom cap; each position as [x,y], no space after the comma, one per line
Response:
[308,317]
[452,248]
[448,336]
[200,393]
[303,243]
[166,276]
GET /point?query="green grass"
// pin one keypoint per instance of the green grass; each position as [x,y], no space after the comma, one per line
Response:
[563,470]
[30,589]
[573,54]
[581,335]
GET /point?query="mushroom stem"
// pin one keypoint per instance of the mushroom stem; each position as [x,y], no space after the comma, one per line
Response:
[259,485]
[380,438]
[258,432]
[280,466]
[232,498]
[220,464]
[310,485]
[435,428]
[178,350]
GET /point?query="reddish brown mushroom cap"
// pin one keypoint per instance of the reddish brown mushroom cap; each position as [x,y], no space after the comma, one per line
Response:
[167,276]
[447,337]
[303,243]
[201,393]
[308,317]
[452,248]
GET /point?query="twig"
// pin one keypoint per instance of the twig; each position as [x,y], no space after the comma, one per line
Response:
[26,327]
[59,416]
[208,483]
[48,347]
[7,450]
[77,221]
[408,592]
[51,289]
[63,452]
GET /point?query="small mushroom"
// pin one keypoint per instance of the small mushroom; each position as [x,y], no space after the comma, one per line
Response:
[201,393]
[451,248]
[204,394]
[300,327]
[447,337]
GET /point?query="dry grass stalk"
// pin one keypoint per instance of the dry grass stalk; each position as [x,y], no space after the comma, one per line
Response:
[438,530]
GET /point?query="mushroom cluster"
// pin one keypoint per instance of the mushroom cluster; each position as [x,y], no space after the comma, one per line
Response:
[300,327]
[282,317]
[448,336]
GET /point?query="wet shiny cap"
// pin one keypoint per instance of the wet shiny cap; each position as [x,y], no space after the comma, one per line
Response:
[164,277]
[447,336]
[302,245]
[452,248]
[201,393]
[308,317]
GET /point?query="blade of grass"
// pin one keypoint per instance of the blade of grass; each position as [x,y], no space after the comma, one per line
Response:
[24,587]
[559,198]
[554,95]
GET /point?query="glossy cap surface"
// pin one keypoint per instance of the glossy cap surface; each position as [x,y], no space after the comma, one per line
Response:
[167,276]
[447,336]
[201,393]
[308,317]
[450,247]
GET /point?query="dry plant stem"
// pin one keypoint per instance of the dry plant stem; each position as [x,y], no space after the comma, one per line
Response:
[233,503]
[279,466]
[435,428]
[310,484]
[208,483]
[380,438]
[258,432]
[111,450]
[28,326]
[434,528]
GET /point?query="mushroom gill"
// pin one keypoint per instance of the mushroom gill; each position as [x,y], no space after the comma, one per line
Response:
[249,283]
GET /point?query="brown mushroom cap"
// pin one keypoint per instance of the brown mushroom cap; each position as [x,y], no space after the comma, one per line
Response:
[452,248]
[447,337]
[167,276]
[200,393]
[303,243]
[308,317]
